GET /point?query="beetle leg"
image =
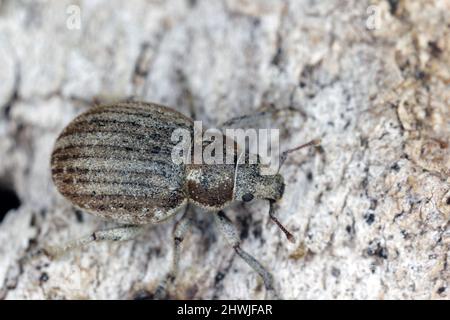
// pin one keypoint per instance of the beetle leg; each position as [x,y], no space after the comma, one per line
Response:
[260,119]
[124,233]
[230,232]
[179,231]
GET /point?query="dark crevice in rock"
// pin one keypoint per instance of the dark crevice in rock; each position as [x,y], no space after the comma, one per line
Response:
[141,67]
[393,5]
[8,201]
[220,276]
[143,295]
[15,94]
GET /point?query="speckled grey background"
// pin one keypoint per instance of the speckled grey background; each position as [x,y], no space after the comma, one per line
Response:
[370,211]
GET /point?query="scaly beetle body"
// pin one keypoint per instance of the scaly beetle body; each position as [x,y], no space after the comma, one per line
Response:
[115,161]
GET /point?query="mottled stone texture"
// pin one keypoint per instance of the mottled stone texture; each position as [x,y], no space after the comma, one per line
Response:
[370,209]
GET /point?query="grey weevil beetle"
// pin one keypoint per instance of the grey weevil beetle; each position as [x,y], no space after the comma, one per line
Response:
[115,161]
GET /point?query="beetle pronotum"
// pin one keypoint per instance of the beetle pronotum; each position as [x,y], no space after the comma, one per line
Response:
[115,161]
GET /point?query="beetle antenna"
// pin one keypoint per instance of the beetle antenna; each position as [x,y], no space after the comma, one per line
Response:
[283,157]
[289,235]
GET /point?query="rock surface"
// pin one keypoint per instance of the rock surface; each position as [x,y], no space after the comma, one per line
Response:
[370,209]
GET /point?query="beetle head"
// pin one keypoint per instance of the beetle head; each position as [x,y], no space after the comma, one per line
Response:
[251,184]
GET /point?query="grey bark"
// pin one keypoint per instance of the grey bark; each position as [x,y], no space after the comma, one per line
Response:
[370,210]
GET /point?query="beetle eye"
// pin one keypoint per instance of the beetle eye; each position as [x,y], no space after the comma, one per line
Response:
[247,197]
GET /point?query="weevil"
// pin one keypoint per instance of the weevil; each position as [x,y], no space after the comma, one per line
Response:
[115,161]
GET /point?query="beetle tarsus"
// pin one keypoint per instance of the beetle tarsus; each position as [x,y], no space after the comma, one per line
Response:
[288,234]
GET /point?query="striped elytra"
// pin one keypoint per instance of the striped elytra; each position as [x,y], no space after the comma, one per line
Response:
[115,161]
